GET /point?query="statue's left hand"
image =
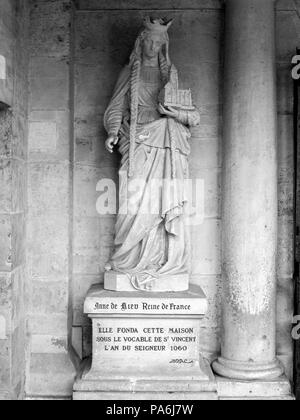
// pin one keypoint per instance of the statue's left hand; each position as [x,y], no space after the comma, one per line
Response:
[170,111]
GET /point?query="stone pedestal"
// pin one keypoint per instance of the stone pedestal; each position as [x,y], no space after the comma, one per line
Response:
[120,282]
[269,389]
[146,346]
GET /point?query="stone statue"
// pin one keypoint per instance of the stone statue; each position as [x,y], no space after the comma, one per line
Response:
[149,118]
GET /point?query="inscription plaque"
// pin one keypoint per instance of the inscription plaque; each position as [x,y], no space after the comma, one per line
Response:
[149,344]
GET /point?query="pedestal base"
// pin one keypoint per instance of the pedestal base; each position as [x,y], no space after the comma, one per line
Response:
[273,390]
[146,346]
[120,282]
[131,387]
[247,371]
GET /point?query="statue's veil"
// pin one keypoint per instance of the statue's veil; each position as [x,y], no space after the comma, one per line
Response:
[138,49]
[135,64]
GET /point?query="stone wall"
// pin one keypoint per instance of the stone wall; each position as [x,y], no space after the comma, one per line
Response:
[50,370]
[13,156]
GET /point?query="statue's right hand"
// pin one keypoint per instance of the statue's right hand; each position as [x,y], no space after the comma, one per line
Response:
[110,143]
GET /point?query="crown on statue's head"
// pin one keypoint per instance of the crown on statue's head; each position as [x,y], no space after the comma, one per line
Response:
[158,25]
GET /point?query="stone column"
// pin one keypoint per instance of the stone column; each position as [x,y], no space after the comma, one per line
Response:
[249,193]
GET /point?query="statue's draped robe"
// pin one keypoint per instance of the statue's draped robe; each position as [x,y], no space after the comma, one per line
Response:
[151,242]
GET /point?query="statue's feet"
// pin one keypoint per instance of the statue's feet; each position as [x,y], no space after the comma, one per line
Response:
[108,267]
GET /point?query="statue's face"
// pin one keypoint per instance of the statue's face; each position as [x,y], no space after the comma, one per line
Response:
[153,44]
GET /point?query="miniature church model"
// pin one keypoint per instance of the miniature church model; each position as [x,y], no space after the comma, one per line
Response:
[172,96]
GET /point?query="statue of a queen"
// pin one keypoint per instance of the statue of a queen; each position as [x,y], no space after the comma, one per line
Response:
[151,247]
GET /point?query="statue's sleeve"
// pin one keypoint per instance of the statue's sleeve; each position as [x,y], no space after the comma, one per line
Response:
[189,118]
[193,118]
[115,111]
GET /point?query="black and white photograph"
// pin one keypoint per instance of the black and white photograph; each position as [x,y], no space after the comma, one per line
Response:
[149,203]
